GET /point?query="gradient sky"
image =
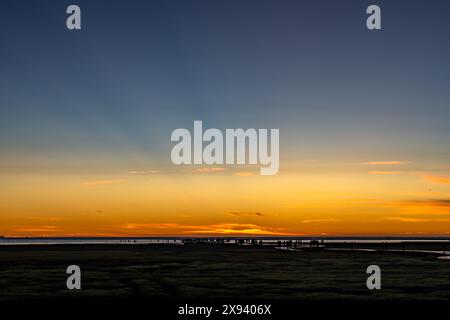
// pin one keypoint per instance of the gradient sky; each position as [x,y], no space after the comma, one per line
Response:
[86,117]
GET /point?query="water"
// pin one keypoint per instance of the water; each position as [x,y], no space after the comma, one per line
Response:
[179,241]
[116,241]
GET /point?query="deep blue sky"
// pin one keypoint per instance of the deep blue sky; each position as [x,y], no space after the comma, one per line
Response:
[111,94]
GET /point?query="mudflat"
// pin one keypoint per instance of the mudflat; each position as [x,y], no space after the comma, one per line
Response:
[203,271]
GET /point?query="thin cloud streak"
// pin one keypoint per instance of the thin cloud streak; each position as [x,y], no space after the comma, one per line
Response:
[413,220]
[436,179]
[430,202]
[380,163]
[384,172]
[218,228]
[143,171]
[238,213]
[319,220]
[102,182]
[244,174]
[213,169]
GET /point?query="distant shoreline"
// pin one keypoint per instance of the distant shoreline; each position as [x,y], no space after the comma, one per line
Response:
[424,238]
[245,240]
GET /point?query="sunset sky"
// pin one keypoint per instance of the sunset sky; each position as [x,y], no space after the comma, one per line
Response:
[86,117]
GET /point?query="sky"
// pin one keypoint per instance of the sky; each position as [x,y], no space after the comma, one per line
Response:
[86,117]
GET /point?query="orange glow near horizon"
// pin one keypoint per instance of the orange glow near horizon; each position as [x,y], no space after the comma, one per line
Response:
[221,201]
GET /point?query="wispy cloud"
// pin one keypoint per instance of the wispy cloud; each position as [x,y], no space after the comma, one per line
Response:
[95,183]
[436,179]
[208,169]
[420,207]
[239,213]
[46,218]
[414,219]
[34,229]
[149,225]
[429,202]
[219,228]
[237,228]
[244,174]
[143,171]
[394,162]
[384,172]
[319,220]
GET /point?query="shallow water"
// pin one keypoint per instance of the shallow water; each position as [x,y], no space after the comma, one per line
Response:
[266,241]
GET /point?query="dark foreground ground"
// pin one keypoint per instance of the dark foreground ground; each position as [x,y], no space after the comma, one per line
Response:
[162,272]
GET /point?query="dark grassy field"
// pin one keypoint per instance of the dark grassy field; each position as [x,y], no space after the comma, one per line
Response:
[217,272]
